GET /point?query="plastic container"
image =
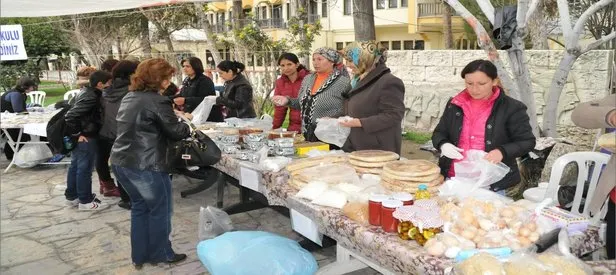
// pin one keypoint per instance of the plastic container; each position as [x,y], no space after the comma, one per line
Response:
[374,208]
[405,198]
[388,222]
[423,193]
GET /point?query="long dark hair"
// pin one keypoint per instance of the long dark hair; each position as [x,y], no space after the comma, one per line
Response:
[196,64]
[124,69]
[293,58]
[24,83]
[484,66]
[234,66]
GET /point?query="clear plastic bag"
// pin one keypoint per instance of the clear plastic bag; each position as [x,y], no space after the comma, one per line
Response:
[330,131]
[330,173]
[475,168]
[31,155]
[202,112]
[213,222]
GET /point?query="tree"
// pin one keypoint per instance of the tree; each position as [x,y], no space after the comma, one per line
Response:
[144,37]
[542,23]
[363,20]
[573,50]
[302,33]
[447,28]
[600,23]
[210,38]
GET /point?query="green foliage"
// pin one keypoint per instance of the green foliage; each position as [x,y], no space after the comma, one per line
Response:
[12,70]
[418,137]
[302,36]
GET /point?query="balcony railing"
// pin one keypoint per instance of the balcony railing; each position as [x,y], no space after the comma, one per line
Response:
[271,23]
[430,9]
[313,18]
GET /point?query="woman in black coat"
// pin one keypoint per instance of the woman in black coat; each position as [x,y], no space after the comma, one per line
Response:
[237,97]
[195,88]
[482,117]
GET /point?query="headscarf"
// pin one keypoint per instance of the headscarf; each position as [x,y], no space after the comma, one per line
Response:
[333,56]
[365,55]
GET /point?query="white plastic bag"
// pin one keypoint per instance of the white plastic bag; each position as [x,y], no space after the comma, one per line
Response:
[330,131]
[202,112]
[213,222]
[475,168]
[31,155]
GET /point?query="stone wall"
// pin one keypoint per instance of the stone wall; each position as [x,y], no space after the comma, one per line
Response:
[432,77]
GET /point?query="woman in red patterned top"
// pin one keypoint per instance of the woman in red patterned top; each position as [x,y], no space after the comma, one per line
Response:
[288,85]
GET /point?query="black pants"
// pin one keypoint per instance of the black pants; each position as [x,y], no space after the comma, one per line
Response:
[102,164]
[610,237]
[14,133]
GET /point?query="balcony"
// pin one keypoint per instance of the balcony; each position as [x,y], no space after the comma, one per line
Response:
[271,23]
[430,9]
[313,18]
[221,27]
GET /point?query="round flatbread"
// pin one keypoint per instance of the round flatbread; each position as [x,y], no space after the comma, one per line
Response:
[373,156]
[362,170]
[608,141]
[310,162]
[411,168]
[437,181]
[427,178]
[363,164]
[408,189]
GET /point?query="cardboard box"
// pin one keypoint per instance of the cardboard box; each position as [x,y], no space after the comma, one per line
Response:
[301,149]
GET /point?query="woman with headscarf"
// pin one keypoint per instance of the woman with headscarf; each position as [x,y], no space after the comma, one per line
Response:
[321,92]
[376,101]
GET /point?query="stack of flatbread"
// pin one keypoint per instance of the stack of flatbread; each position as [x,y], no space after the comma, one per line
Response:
[296,167]
[407,175]
[371,161]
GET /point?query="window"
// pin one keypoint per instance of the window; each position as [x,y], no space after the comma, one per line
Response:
[339,45]
[348,7]
[288,11]
[408,44]
[396,45]
[385,44]
[314,7]
[263,12]
[380,4]
[419,45]
[323,8]
[404,3]
[230,15]
[277,11]
[393,3]
[251,60]
[348,43]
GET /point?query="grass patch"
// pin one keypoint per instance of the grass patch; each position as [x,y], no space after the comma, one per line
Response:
[418,137]
[54,91]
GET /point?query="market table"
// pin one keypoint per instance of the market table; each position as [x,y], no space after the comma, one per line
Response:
[34,123]
[360,246]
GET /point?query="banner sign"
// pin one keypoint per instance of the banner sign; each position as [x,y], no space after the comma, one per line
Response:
[12,43]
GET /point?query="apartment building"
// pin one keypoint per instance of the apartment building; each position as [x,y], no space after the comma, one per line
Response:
[399,24]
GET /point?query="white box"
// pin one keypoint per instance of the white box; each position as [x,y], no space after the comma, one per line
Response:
[250,179]
[306,227]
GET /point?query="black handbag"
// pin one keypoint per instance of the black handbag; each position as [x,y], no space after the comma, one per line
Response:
[197,150]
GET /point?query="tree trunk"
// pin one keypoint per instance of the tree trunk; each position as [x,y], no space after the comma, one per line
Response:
[144,37]
[210,41]
[85,47]
[299,8]
[447,28]
[539,29]
[172,58]
[550,115]
[363,20]
[238,14]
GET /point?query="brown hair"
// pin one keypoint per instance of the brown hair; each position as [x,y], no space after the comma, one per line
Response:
[150,75]
[83,75]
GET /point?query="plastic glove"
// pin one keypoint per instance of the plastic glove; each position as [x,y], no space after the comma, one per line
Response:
[211,98]
[451,151]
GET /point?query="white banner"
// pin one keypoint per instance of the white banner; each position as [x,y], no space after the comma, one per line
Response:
[40,8]
[12,43]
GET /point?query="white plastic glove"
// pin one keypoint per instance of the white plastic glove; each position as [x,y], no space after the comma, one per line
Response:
[211,98]
[451,151]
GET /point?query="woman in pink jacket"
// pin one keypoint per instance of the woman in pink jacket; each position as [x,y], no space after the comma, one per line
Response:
[288,85]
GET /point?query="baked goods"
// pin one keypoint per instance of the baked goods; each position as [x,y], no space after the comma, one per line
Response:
[608,141]
[371,161]
[357,212]
[310,162]
[481,263]
[407,175]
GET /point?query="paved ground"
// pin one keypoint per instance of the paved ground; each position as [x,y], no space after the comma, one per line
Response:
[40,235]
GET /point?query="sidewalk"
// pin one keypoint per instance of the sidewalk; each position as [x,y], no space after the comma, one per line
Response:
[40,235]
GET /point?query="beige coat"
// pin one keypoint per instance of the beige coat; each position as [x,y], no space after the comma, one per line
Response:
[592,115]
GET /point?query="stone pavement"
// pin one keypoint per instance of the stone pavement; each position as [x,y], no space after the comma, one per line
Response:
[40,235]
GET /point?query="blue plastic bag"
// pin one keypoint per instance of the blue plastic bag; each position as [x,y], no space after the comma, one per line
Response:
[255,252]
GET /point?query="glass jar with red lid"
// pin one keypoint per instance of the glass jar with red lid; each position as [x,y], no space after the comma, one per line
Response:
[374,208]
[388,222]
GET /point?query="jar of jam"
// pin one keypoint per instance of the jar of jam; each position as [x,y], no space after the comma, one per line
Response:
[388,222]
[374,208]
[405,198]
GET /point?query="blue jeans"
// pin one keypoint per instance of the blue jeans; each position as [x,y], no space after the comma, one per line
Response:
[79,177]
[151,209]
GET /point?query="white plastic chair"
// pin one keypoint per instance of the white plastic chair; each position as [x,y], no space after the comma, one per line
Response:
[583,161]
[37,97]
[70,94]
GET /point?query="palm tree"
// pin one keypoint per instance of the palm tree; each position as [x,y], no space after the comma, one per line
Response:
[447,32]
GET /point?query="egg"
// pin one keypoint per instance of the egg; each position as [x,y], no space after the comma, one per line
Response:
[477,239]
[532,226]
[450,240]
[468,218]
[436,249]
[455,230]
[468,234]
[481,232]
[475,223]
[486,224]
[515,246]
[507,213]
[483,245]
[452,252]
[533,237]
[524,242]
[501,224]
[524,232]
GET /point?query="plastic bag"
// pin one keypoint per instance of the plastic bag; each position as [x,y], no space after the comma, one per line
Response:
[312,190]
[330,131]
[202,112]
[255,253]
[31,155]
[357,212]
[476,169]
[213,222]
[464,188]
[330,173]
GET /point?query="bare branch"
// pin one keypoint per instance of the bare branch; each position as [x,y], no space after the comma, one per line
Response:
[531,10]
[565,20]
[521,16]
[579,25]
[599,42]
[487,9]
